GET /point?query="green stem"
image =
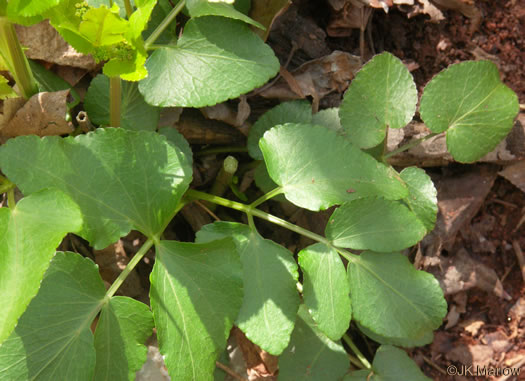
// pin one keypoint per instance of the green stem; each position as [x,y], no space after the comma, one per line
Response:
[129,8]
[11,198]
[164,24]
[357,352]
[115,97]
[248,209]
[355,361]
[5,184]
[131,265]
[409,145]
[266,197]
[15,59]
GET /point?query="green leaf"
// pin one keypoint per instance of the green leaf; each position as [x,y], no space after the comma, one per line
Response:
[215,59]
[65,18]
[138,20]
[52,339]
[29,8]
[50,82]
[124,326]
[270,275]
[178,140]
[382,95]
[374,224]
[196,293]
[390,364]
[317,168]
[159,13]
[423,339]
[422,195]
[329,118]
[265,183]
[103,26]
[393,299]
[135,180]
[136,114]
[311,355]
[5,90]
[286,112]
[325,289]
[199,8]
[469,101]
[29,235]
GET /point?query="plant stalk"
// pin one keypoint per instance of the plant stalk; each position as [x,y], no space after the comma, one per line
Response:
[11,198]
[224,178]
[15,59]
[130,266]
[357,352]
[409,145]
[115,97]
[129,8]
[164,24]
[266,197]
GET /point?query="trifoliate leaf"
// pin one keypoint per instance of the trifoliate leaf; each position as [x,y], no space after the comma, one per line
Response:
[469,102]
[382,95]
[215,59]
[393,299]
[136,114]
[270,275]
[318,168]
[390,364]
[120,179]
[422,195]
[124,326]
[199,8]
[325,289]
[29,235]
[52,339]
[311,355]
[286,112]
[374,224]
[196,292]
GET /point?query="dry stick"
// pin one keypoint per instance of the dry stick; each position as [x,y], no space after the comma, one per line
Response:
[434,365]
[519,255]
[229,371]
[213,215]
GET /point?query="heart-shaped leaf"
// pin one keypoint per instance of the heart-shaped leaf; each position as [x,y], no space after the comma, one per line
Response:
[469,102]
[318,168]
[29,235]
[196,293]
[136,114]
[374,224]
[135,179]
[382,95]
[215,59]
[325,289]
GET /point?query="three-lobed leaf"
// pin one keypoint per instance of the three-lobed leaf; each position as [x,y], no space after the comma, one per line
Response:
[393,299]
[135,181]
[390,364]
[270,275]
[382,95]
[136,114]
[374,224]
[469,102]
[311,355]
[325,289]
[215,59]
[196,292]
[318,168]
[29,234]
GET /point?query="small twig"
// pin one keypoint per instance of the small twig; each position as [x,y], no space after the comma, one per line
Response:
[504,203]
[519,255]
[230,372]
[522,220]
[213,215]
[434,365]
